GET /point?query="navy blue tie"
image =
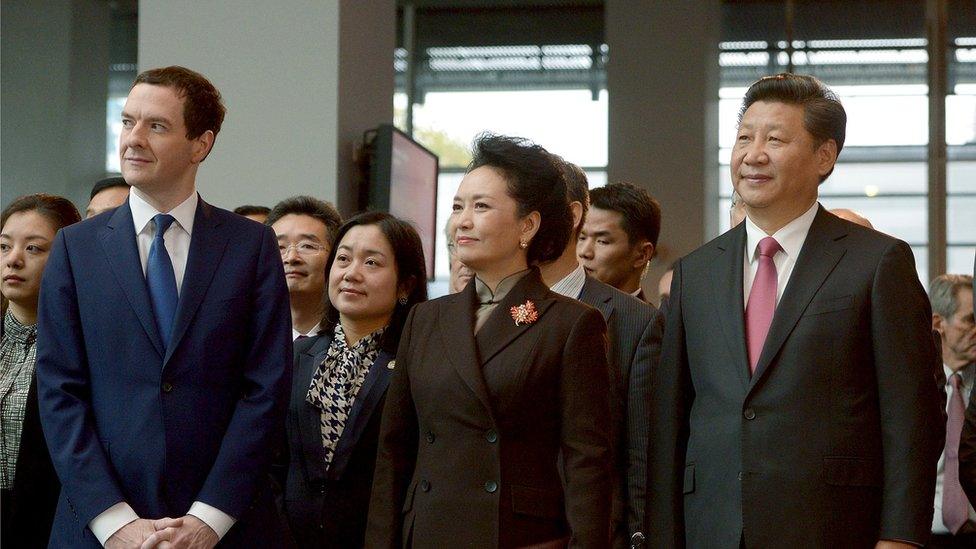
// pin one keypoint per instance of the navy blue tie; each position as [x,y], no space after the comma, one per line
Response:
[161,280]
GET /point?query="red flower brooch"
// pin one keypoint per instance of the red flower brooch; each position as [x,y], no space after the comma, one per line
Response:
[525,313]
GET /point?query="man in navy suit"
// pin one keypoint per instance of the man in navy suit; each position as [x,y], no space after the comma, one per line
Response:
[164,350]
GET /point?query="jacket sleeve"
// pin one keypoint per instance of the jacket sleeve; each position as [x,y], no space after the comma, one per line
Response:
[64,393]
[646,359]
[397,452]
[670,410]
[247,447]
[585,431]
[912,430]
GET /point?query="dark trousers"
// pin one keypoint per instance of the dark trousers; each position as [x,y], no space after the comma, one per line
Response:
[948,541]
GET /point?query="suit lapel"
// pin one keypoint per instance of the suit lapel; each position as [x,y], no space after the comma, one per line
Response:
[309,419]
[206,248]
[500,330]
[118,240]
[820,253]
[456,323]
[366,402]
[728,297]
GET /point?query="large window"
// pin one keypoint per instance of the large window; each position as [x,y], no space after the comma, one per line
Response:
[541,93]
[883,171]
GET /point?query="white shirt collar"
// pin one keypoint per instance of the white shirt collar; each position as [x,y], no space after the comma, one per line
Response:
[790,237]
[142,212]
[572,284]
[967,372]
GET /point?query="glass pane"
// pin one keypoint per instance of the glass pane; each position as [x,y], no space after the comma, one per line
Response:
[596,178]
[922,264]
[961,220]
[959,259]
[961,177]
[566,122]
[902,217]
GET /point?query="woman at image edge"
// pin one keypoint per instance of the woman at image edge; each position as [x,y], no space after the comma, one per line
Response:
[495,431]
[30,486]
[375,275]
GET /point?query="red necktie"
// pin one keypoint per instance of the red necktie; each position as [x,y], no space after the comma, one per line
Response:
[762,300]
[955,506]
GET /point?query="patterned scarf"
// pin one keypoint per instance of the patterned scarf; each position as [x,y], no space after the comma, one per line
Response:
[337,381]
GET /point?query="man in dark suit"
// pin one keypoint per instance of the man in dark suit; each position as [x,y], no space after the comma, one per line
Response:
[634,330]
[619,236]
[164,348]
[794,405]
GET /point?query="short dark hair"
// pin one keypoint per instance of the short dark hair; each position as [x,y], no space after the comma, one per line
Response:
[823,114]
[203,108]
[536,183]
[411,266]
[248,209]
[107,183]
[310,206]
[577,188]
[640,214]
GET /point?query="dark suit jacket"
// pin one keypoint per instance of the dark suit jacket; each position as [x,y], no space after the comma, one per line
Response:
[967,441]
[834,441]
[473,427]
[634,329]
[329,508]
[159,428]
[28,507]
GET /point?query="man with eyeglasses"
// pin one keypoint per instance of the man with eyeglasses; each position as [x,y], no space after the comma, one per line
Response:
[305,227]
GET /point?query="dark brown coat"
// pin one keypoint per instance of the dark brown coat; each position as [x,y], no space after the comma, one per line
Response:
[478,433]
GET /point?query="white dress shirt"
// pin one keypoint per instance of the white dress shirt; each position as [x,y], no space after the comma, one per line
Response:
[177,240]
[790,237]
[572,284]
[968,374]
[295,334]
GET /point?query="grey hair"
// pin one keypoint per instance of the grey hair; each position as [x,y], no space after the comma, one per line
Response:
[944,293]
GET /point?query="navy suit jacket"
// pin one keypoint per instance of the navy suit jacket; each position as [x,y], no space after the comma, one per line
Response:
[159,428]
[329,507]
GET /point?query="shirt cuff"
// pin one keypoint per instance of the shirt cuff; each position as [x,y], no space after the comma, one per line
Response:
[216,519]
[111,521]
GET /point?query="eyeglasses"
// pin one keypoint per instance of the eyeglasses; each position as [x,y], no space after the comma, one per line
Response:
[303,248]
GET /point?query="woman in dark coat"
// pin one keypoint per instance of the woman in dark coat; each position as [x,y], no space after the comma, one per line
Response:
[495,432]
[28,483]
[375,275]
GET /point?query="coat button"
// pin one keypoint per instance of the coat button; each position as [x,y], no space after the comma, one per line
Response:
[425,486]
[749,414]
[742,475]
[167,387]
[491,436]
[491,486]
[637,540]
[430,437]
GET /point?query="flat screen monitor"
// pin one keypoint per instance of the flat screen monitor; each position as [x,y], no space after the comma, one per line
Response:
[403,181]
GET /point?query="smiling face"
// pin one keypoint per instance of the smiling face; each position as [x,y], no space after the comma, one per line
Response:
[305,246]
[486,226]
[776,163]
[155,154]
[25,242]
[363,279]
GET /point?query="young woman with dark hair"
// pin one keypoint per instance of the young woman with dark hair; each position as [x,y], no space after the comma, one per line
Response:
[376,274]
[28,483]
[496,426]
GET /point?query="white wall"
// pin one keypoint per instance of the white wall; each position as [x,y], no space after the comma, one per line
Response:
[279,67]
[54,87]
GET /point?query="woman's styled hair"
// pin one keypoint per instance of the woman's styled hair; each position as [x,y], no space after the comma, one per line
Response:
[535,181]
[411,269]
